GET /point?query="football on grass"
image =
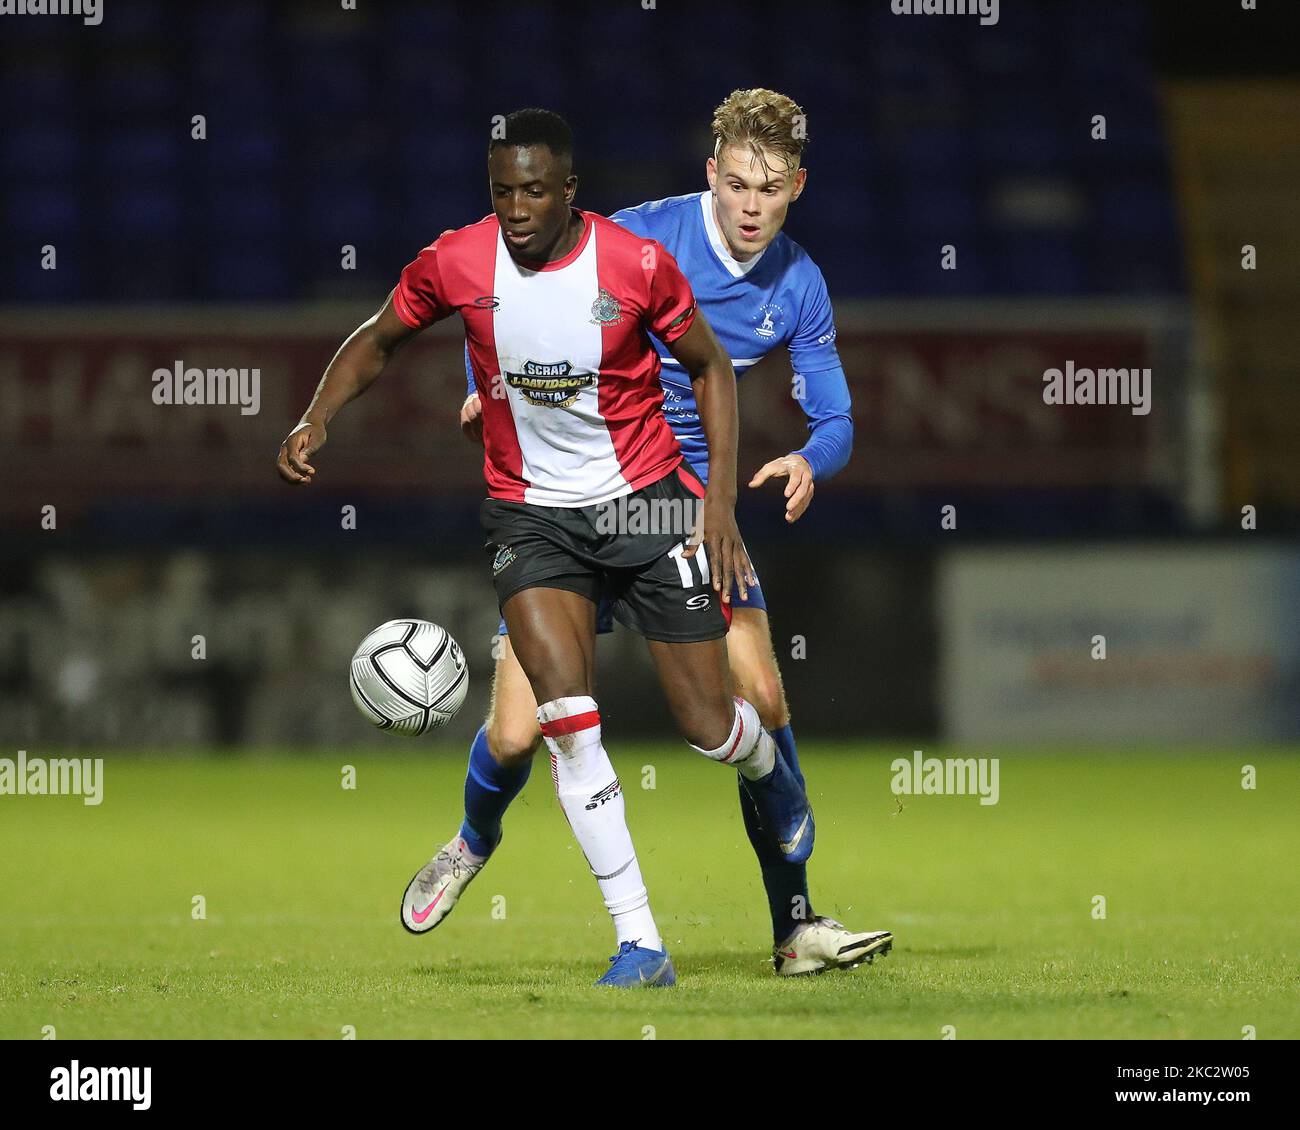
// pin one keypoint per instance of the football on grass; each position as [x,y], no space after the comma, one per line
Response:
[409,677]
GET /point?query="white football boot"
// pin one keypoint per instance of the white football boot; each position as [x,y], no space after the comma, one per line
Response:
[433,892]
[822,943]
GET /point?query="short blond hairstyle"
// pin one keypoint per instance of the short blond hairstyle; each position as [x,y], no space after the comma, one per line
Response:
[763,122]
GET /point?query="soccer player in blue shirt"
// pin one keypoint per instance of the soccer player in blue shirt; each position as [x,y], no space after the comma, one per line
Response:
[759,291]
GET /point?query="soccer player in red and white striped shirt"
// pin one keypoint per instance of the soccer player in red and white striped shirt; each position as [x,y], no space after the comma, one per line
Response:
[557,304]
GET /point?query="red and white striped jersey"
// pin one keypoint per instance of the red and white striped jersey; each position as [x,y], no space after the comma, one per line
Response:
[576,415]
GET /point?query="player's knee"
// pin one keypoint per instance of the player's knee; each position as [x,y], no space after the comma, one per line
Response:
[513,742]
[768,697]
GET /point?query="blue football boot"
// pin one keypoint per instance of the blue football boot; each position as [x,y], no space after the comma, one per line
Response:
[633,968]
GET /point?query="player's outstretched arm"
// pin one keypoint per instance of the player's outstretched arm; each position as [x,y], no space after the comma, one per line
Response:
[714,381]
[356,366]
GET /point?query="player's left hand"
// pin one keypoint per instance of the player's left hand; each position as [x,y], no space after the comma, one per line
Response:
[798,491]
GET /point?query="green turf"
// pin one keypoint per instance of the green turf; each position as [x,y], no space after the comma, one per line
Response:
[991,905]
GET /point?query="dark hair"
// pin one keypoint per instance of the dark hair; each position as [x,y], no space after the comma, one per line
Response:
[536,127]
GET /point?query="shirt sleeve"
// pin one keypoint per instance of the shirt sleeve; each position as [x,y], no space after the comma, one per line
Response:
[419,298]
[633,218]
[812,348]
[829,408]
[672,302]
[469,373]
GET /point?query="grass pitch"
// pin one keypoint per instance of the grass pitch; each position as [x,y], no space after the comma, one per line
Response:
[992,906]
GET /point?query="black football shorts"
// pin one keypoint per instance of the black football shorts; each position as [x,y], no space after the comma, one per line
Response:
[628,550]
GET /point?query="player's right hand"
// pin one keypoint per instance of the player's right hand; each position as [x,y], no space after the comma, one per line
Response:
[296,451]
[728,559]
[471,418]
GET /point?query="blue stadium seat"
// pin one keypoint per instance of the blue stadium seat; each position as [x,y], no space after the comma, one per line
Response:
[343,211]
[1010,145]
[238,149]
[1135,266]
[246,22]
[38,89]
[325,82]
[319,134]
[142,210]
[141,21]
[42,212]
[24,281]
[134,87]
[943,207]
[50,149]
[435,152]
[242,270]
[944,151]
[239,86]
[142,153]
[1136,207]
[146,268]
[921,273]
[1038,262]
[242,210]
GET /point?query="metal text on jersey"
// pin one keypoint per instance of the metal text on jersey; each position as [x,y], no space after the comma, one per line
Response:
[550,385]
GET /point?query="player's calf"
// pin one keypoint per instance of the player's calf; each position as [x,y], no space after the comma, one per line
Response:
[592,799]
[501,755]
[513,735]
[778,795]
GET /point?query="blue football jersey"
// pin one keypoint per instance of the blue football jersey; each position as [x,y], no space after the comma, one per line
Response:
[776,299]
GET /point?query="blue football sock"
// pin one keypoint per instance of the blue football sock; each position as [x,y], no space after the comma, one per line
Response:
[489,789]
[785,883]
[784,738]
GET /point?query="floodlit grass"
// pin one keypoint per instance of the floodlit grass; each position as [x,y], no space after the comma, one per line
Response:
[992,906]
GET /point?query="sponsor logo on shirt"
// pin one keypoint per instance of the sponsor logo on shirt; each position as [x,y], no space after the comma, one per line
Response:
[487,302]
[605,311]
[549,385]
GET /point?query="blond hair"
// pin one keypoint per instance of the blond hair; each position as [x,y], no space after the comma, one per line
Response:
[763,122]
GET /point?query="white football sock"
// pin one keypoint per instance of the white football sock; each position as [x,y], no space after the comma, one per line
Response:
[592,799]
[748,747]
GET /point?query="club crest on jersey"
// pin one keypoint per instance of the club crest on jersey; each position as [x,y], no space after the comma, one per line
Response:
[505,556]
[605,311]
[551,385]
[768,318]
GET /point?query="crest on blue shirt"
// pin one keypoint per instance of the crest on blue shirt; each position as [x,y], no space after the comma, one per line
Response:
[605,311]
[768,320]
